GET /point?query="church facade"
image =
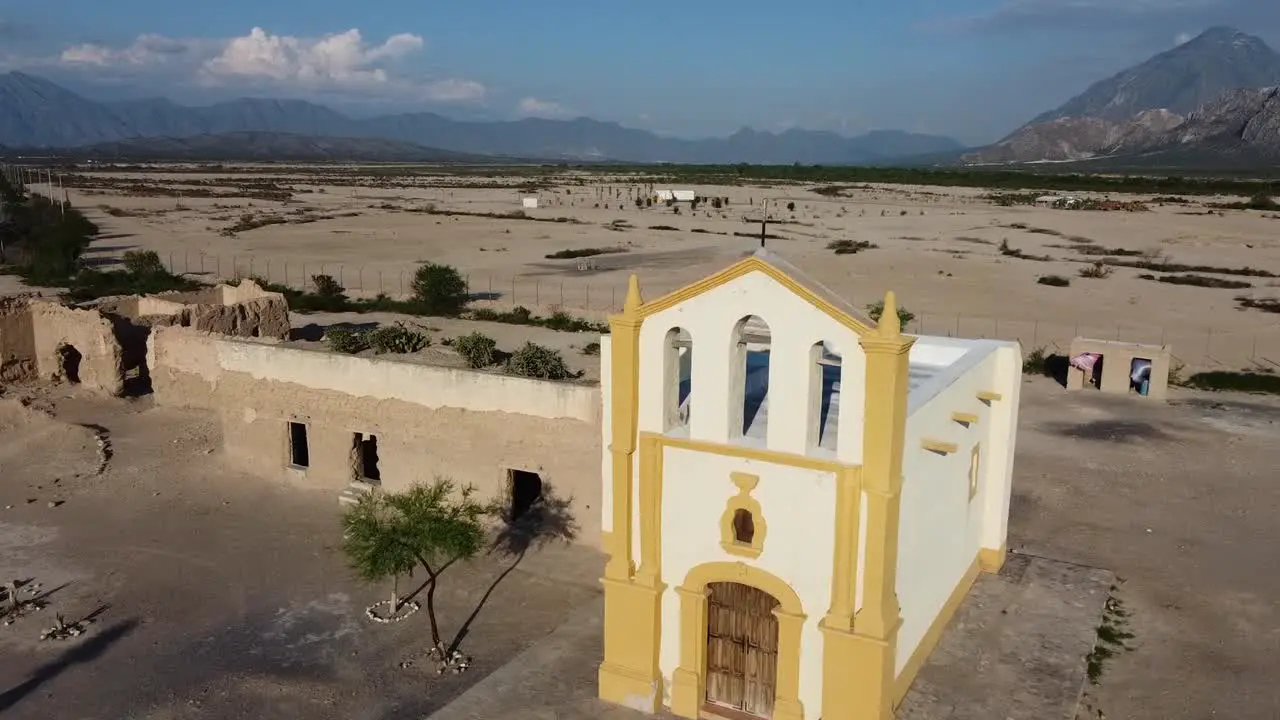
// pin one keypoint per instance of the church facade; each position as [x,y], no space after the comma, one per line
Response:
[796,498]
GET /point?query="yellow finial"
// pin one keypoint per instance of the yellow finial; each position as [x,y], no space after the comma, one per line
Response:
[889,325]
[633,301]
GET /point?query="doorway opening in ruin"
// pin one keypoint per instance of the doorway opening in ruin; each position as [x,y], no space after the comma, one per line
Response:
[364,451]
[69,361]
[525,489]
[299,453]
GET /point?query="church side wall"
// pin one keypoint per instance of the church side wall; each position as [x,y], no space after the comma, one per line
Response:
[942,529]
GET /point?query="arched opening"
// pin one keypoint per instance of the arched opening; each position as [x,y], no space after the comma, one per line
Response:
[69,362]
[677,378]
[750,377]
[744,526]
[742,649]
[824,396]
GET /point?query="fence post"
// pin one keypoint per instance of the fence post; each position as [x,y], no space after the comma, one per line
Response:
[537,293]
[170,263]
[219,259]
[380,290]
[340,269]
[561,293]
[250,266]
[186,261]
[360,278]
[513,289]
[588,296]
[303,281]
[1035,335]
[957,325]
[401,283]
[613,301]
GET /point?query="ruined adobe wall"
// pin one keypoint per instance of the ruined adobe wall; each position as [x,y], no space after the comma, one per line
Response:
[469,426]
[17,341]
[259,317]
[90,333]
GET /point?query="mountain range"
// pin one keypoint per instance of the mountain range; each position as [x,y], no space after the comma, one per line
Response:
[1210,102]
[37,113]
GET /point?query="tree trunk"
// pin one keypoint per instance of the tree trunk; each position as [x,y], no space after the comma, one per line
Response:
[431,613]
[396,604]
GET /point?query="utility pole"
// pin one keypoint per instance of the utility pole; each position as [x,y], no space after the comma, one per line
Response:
[764,219]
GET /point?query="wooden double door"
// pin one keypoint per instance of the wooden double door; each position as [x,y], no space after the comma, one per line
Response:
[742,651]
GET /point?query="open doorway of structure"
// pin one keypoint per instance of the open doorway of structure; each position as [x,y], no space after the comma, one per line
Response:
[524,488]
[364,458]
[69,362]
[299,451]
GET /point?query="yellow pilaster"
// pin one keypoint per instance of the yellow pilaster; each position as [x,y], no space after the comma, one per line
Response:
[858,657]
[629,674]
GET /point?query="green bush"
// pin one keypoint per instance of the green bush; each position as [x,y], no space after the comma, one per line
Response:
[537,361]
[397,338]
[477,349]
[876,309]
[850,247]
[144,263]
[346,340]
[326,286]
[439,289]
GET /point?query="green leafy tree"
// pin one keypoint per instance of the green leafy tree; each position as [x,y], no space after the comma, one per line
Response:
[440,289]
[429,527]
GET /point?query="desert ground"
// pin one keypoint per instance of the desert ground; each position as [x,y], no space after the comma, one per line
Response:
[216,595]
[939,248]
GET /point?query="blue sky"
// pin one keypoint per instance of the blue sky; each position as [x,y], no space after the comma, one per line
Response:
[972,69]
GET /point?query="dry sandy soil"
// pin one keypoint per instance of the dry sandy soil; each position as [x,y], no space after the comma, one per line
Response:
[938,248]
[224,596]
[215,595]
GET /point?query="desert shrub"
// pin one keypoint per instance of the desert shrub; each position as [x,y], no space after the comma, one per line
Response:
[592,348]
[1053,281]
[1034,362]
[439,289]
[1097,270]
[716,203]
[1253,382]
[1198,281]
[478,350]
[397,338]
[585,252]
[663,227]
[144,263]
[326,286]
[639,202]
[1271,305]
[538,361]
[791,207]
[876,309]
[519,315]
[346,340]
[850,247]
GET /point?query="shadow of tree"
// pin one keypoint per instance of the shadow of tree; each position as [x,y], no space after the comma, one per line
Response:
[549,519]
[86,651]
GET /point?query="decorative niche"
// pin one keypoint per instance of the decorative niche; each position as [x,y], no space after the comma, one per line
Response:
[742,525]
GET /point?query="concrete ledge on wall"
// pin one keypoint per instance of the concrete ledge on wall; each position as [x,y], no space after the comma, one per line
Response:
[964,418]
[939,447]
[989,396]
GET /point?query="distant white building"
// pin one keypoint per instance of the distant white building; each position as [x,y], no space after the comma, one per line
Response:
[529,203]
[676,195]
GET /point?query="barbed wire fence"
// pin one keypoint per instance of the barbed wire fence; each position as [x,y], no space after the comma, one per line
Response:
[1197,348]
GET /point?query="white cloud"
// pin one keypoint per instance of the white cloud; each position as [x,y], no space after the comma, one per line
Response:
[533,107]
[146,50]
[455,90]
[339,59]
[342,63]
[1182,38]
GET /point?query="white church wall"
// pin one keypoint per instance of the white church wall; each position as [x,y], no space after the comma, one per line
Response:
[795,326]
[798,506]
[941,528]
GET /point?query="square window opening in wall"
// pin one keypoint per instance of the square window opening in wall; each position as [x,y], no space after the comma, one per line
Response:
[524,488]
[364,457]
[299,452]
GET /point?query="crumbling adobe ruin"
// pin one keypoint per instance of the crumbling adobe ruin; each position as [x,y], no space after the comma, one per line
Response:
[102,345]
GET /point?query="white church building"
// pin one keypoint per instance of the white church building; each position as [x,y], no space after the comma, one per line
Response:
[796,498]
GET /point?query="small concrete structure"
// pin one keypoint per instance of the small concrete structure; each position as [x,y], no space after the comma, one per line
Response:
[1116,364]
